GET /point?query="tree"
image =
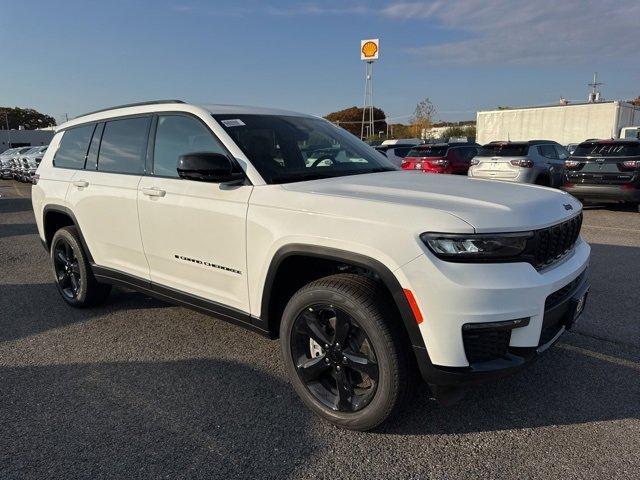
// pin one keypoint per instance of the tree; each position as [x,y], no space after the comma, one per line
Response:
[635,101]
[25,117]
[351,119]
[423,116]
[458,131]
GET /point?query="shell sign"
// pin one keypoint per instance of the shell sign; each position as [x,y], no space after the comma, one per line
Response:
[369,49]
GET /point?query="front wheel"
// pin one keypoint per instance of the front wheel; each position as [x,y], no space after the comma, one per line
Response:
[344,351]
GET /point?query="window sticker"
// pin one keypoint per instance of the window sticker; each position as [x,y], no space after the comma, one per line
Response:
[234,122]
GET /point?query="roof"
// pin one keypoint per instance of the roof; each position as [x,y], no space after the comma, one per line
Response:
[175,105]
[521,142]
[448,144]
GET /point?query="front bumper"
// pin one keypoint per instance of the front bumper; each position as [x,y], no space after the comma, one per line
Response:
[626,193]
[451,295]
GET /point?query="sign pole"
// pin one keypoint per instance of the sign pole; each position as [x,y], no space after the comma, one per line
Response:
[369,51]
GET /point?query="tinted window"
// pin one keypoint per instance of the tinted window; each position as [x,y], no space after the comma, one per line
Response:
[617,149]
[548,151]
[504,150]
[124,145]
[401,152]
[73,147]
[94,148]
[290,148]
[177,135]
[562,152]
[431,151]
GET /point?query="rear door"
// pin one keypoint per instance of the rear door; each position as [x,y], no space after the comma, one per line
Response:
[193,232]
[103,195]
[602,163]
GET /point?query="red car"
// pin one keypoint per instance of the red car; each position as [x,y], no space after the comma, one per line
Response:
[451,158]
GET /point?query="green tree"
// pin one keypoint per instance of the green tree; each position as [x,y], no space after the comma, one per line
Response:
[25,117]
[351,119]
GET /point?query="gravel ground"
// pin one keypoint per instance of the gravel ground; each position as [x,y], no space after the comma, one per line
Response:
[141,389]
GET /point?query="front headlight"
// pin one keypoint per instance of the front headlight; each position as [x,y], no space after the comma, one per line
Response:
[476,247]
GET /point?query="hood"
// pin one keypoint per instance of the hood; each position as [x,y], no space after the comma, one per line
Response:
[486,205]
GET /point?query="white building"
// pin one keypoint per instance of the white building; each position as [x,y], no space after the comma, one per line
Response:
[24,138]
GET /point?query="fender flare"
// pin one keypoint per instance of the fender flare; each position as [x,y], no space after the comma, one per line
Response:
[386,276]
[66,211]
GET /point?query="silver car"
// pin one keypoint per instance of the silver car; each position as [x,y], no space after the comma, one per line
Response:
[33,158]
[534,161]
[5,163]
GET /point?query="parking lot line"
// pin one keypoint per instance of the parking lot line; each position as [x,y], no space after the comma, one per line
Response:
[601,356]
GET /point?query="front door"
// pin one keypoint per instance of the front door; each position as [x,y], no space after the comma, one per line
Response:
[193,232]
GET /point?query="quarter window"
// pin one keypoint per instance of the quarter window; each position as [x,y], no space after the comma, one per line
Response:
[548,151]
[178,135]
[73,147]
[124,145]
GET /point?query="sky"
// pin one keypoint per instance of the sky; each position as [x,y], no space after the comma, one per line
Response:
[69,57]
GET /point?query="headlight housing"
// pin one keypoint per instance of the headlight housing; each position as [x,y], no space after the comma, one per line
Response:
[476,247]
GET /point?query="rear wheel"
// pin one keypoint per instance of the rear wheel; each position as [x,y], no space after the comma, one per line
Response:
[74,279]
[344,352]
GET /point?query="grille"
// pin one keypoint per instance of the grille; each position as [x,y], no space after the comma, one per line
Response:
[561,294]
[552,243]
[485,345]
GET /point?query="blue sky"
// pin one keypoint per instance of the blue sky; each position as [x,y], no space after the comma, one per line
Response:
[71,57]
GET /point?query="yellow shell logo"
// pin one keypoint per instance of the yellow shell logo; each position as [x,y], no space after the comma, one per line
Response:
[369,49]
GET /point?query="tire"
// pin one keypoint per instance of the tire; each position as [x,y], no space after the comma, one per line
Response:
[72,272]
[543,181]
[372,363]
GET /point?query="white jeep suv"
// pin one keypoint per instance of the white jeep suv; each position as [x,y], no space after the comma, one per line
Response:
[362,270]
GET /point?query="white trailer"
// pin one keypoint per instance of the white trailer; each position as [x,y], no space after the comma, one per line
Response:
[572,123]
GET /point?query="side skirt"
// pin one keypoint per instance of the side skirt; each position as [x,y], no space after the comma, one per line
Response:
[171,295]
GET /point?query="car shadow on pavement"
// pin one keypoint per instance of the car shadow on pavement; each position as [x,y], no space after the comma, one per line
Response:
[29,309]
[565,386]
[16,229]
[182,419]
[14,205]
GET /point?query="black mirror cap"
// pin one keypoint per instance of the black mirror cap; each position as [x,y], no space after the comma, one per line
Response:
[208,167]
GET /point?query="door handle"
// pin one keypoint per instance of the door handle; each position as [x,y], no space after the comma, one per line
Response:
[81,183]
[154,192]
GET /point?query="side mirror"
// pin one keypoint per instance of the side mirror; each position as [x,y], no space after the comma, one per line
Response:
[208,167]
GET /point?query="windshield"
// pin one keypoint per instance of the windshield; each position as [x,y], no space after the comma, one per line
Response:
[290,149]
[431,151]
[607,149]
[504,150]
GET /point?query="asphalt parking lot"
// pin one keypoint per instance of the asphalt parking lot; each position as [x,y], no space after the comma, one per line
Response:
[141,389]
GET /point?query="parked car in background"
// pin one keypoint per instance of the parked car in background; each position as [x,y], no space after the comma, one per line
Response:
[605,170]
[534,161]
[6,162]
[33,159]
[15,161]
[395,152]
[572,147]
[452,157]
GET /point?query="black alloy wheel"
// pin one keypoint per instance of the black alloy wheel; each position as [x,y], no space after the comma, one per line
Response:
[334,358]
[67,269]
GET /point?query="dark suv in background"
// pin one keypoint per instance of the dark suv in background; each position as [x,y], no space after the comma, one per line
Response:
[452,157]
[605,170]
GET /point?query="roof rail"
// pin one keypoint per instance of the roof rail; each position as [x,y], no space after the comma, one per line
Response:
[138,104]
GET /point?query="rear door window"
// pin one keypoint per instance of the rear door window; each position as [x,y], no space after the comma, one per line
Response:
[73,147]
[124,145]
[401,151]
